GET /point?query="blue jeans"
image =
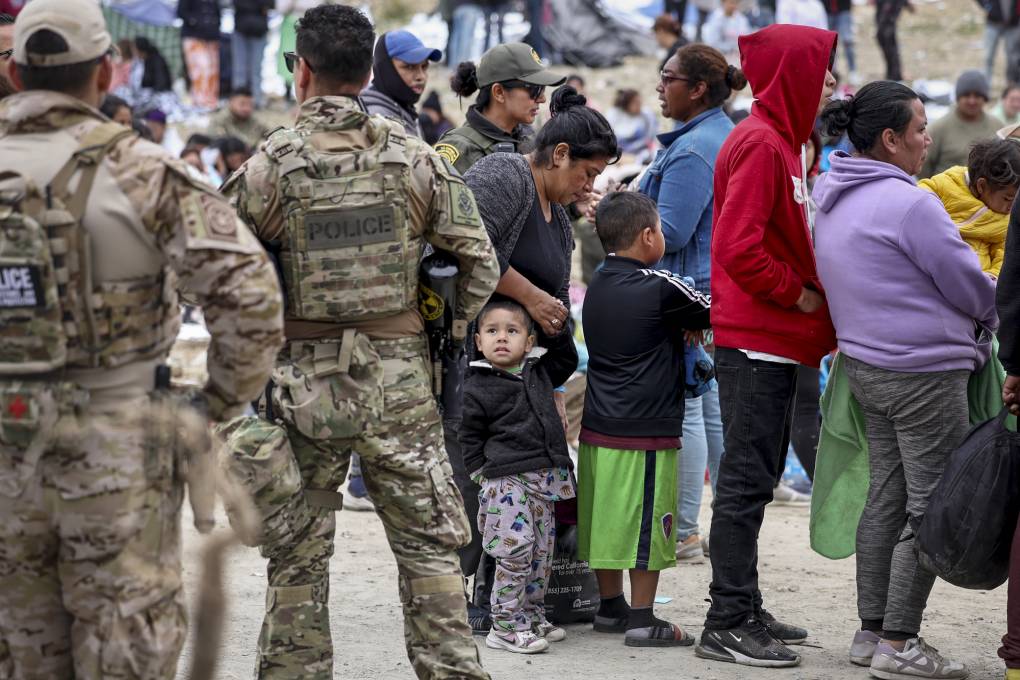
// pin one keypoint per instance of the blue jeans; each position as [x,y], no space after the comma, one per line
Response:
[703,447]
[1010,35]
[246,61]
[843,24]
[461,45]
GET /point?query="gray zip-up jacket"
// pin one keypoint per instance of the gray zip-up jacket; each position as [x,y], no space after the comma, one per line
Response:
[377,102]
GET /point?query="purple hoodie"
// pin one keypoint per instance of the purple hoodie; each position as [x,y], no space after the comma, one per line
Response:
[905,292]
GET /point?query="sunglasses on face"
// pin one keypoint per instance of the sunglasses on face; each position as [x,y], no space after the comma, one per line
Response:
[290,60]
[534,91]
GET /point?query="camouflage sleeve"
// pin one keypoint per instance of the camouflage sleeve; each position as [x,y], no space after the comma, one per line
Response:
[454,224]
[221,265]
[252,193]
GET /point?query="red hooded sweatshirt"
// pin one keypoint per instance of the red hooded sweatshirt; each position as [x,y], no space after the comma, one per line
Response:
[762,252]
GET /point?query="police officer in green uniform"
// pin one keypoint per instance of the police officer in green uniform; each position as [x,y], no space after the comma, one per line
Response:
[510,80]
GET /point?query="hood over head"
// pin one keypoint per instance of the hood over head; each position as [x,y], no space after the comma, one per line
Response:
[386,78]
[848,172]
[785,66]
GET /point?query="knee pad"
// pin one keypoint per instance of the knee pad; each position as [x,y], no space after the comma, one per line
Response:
[258,456]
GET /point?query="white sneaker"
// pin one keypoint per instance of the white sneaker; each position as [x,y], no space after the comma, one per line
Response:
[862,649]
[784,495]
[521,642]
[690,551]
[549,631]
[917,660]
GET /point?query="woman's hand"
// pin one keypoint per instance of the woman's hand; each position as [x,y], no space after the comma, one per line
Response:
[548,312]
[561,408]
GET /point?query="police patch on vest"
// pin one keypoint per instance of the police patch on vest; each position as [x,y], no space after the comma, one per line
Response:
[462,205]
[448,151]
[342,229]
[21,286]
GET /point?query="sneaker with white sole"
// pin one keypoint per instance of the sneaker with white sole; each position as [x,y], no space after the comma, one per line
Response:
[549,631]
[689,551]
[862,649]
[749,645]
[519,642]
[784,495]
[917,660]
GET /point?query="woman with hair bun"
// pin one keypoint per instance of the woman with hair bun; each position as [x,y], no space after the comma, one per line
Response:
[693,86]
[906,295]
[510,81]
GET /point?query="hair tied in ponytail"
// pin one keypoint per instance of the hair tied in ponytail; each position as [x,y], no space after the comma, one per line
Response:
[731,71]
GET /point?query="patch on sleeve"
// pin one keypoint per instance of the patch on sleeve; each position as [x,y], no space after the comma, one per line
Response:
[448,152]
[462,205]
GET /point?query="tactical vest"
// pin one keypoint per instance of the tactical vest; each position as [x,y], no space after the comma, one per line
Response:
[53,314]
[349,254]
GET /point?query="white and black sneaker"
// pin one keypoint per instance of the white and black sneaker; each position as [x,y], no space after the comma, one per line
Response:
[749,645]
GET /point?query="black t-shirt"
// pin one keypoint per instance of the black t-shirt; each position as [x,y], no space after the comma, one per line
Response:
[538,253]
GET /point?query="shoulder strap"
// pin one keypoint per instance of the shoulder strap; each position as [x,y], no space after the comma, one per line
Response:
[284,147]
[475,137]
[394,147]
[91,150]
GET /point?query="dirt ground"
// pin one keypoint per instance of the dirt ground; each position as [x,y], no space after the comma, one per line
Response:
[799,585]
[942,38]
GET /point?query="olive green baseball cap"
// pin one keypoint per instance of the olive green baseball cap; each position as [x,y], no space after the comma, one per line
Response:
[79,22]
[513,61]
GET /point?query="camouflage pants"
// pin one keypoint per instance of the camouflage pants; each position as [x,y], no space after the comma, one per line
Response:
[379,407]
[89,537]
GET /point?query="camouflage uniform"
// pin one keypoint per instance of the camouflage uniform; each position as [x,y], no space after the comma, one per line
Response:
[90,454]
[358,387]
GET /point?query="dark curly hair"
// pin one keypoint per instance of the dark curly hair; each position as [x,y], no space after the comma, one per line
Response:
[336,41]
[583,129]
[878,106]
[997,161]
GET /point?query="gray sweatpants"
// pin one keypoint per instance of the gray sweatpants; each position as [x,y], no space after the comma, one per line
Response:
[914,421]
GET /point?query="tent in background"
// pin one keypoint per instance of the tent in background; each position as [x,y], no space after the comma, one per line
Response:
[600,34]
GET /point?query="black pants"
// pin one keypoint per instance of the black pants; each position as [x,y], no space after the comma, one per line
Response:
[806,418]
[887,13]
[756,401]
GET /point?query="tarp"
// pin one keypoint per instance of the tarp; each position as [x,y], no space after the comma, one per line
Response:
[160,29]
[596,34]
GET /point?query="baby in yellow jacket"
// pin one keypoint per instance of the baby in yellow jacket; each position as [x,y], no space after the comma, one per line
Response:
[980,196]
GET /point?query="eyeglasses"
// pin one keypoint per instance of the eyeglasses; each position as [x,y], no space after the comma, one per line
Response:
[290,60]
[666,78]
[534,91]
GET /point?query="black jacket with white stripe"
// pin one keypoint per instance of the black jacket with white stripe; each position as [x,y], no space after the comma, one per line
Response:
[634,319]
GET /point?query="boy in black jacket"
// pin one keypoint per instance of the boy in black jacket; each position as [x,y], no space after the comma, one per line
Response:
[514,446]
[634,323]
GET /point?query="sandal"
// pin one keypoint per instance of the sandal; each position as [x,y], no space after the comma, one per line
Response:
[658,636]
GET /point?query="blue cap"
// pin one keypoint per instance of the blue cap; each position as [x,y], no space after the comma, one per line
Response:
[404,46]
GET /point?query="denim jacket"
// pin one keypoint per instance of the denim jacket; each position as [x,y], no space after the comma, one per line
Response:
[680,182]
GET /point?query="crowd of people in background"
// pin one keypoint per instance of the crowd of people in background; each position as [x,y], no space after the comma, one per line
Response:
[758,277]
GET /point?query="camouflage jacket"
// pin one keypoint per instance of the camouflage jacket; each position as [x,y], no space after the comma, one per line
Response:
[145,215]
[339,124]
[251,131]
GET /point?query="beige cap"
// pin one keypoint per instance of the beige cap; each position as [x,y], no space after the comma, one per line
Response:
[79,22]
[1009,132]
